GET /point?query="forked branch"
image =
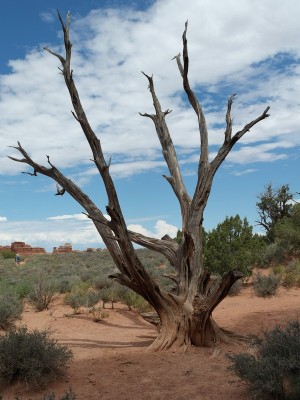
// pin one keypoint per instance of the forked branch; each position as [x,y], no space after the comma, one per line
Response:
[230,141]
[168,150]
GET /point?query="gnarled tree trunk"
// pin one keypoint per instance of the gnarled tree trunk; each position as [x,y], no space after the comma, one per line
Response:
[185,313]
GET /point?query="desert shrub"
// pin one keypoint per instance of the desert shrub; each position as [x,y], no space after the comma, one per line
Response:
[6,254]
[81,296]
[101,283]
[142,305]
[86,276]
[32,357]
[289,274]
[98,314]
[91,298]
[291,279]
[274,373]
[129,297]
[74,300]
[11,308]
[42,292]
[265,286]
[278,269]
[64,286]
[273,253]
[23,289]
[109,294]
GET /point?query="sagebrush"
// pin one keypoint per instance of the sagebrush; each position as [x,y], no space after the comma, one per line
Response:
[32,357]
[274,372]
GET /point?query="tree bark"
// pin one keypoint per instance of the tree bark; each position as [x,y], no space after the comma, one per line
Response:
[185,312]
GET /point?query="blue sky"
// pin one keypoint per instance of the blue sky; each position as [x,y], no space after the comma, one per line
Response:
[250,47]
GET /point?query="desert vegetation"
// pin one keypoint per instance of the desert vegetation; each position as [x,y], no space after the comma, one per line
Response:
[274,371]
[31,357]
[180,281]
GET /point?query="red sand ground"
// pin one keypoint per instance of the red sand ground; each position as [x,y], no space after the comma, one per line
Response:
[110,361]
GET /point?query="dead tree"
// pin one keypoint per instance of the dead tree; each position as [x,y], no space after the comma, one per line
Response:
[185,313]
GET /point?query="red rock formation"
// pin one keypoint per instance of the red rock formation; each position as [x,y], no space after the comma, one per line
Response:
[66,248]
[5,248]
[25,249]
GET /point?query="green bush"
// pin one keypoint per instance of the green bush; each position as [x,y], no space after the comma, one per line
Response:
[278,269]
[32,357]
[23,289]
[266,286]
[273,253]
[11,308]
[91,298]
[100,283]
[109,294]
[291,279]
[6,254]
[98,314]
[274,373]
[78,296]
[42,293]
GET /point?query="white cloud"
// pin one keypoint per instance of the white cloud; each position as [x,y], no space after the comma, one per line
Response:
[78,217]
[161,228]
[3,219]
[236,49]
[245,172]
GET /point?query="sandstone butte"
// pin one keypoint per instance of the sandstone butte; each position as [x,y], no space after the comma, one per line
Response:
[26,250]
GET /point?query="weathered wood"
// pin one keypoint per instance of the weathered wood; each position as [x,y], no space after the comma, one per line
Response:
[184,314]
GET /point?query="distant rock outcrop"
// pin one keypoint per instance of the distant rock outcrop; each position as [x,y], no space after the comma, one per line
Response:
[25,249]
[66,248]
[5,248]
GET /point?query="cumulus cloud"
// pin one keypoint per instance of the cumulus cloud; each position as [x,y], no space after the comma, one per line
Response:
[3,219]
[161,228]
[78,217]
[244,52]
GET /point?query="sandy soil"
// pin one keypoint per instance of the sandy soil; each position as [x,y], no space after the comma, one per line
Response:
[110,361]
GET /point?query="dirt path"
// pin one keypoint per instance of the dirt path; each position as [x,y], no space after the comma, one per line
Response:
[110,361]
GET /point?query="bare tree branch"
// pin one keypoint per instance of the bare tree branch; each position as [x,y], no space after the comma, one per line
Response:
[193,99]
[229,141]
[168,151]
[167,248]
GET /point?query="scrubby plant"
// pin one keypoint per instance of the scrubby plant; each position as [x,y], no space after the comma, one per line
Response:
[32,357]
[129,298]
[291,279]
[278,269]
[74,300]
[142,306]
[101,283]
[42,293]
[23,289]
[109,294]
[274,372]
[98,314]
[91,298]
[82,296]
[273,253]
[266,286]
[6,254]
[11,308]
